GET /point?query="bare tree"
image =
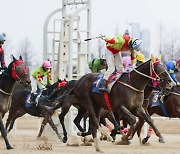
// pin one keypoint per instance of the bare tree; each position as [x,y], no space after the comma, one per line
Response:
[27,52]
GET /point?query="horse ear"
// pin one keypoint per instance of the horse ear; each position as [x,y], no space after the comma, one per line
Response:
[153,58]
[20,57]
[160,57]
[59,80]
[14,59]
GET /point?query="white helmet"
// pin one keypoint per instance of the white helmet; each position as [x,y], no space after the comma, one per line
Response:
[136,44]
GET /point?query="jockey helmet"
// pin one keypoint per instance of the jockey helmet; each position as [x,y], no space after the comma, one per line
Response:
[140,57]
[46,64]
[2,39]
[136,44]
[178,61]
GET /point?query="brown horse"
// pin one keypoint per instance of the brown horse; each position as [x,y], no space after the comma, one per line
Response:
[18,106]
[171,108]
[16,71]
[66,100]
[126,96]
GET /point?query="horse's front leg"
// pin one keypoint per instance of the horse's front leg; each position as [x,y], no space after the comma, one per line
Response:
[4,134]
[142,114]
[43,124]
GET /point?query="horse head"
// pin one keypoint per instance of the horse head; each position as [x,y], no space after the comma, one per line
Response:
[160,75]
[151,70]
[19,71]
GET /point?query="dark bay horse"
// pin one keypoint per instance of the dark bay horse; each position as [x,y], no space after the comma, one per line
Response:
[171,103]
[126,96]
[66,100]
[16,71]
[18,107]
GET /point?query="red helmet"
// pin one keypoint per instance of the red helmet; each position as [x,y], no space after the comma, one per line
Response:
[178,61]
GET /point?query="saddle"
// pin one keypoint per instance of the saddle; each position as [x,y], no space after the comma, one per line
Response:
[111,80]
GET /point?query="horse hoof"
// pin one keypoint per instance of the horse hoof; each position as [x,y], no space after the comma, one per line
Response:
[9,147]
[64,139]
[79,133]
[161,140]
[144,141]
[99,150]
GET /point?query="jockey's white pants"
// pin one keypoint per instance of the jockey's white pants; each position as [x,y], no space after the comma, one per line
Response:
[34,84]
[113,61]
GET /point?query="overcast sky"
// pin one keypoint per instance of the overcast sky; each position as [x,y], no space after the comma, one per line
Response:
[25,18]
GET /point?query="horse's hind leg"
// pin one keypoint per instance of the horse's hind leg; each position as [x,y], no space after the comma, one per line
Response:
[50,121]
[4,134]
[131,119]
[43,124]
[80,115]
[64,111]
[142,115]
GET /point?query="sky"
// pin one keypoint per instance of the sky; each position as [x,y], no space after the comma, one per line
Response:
[25,18]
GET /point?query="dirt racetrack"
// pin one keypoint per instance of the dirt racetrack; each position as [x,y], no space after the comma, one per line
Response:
[25,142]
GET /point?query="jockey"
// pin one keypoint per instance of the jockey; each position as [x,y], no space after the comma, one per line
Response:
[2,40]
[96,65]
[140,58]
[115,45]
[173,67]
[127,63]
[37,78]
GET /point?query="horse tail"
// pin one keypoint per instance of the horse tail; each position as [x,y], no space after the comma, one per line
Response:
[59,102]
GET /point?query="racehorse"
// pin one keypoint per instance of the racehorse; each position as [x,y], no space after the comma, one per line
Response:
[126,96]
[19,100]
[16,71]
[65,107]
[66,100]
[171,109]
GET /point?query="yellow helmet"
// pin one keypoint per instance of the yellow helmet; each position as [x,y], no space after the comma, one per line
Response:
[140,57]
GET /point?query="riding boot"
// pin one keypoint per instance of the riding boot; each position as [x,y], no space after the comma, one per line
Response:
[103,86]
[32,97]
[37,99]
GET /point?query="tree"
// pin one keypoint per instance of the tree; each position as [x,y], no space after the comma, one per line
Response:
[28,54]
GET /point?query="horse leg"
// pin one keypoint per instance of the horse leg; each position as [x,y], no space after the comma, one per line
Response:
[4,134]
[78,118]
[112,119]
[88,105]
[43,124]
[51,123]
[142,115]
[13,115]
[64,111]
[131,119]
[148,135]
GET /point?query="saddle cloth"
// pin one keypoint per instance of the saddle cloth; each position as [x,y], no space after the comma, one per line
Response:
[28,102]
[112,79]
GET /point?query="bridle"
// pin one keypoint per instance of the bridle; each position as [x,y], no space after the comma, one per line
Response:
[16,75]
[153,76]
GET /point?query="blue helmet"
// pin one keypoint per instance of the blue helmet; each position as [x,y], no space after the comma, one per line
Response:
[2,39]
[136,44]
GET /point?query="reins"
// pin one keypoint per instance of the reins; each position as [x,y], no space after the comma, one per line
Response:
[9,94]
[133,88]
[147,76]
